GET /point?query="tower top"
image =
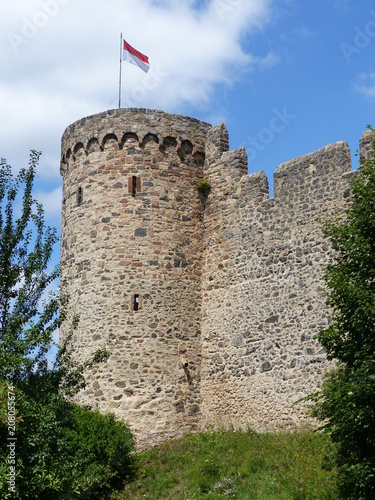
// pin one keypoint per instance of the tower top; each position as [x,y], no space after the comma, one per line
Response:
[119,123]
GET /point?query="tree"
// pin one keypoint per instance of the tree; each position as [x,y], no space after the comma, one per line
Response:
[346,402]
[28,317]
[60,450]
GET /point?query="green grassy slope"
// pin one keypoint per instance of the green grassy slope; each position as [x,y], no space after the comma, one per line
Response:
[240,465]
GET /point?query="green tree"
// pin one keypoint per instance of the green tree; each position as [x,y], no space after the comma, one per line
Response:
[62,450]
[28,317]
[347,400]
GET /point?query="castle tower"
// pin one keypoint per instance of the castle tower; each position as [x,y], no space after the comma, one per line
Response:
[131,253]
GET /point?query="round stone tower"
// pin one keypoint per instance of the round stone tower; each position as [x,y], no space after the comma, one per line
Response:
[131,253]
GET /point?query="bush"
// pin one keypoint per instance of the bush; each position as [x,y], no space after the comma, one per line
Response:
[63,450]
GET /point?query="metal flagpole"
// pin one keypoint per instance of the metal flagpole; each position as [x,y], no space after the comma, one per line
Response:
[119,85]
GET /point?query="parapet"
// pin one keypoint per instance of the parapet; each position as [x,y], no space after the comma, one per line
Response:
[217,142]
[255,186]
[316,173]
[365,145]
[224,167]
[93,132]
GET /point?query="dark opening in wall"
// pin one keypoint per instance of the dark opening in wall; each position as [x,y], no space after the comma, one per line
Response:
[79,196]
[135,302]
[134,185]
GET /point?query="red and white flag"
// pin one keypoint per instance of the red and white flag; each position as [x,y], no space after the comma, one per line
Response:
[130,54]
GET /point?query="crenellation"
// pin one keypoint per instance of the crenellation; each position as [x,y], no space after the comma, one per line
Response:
[311,178]
[254,188]
[209,303]
[139,124]
[217,142]
[365,149]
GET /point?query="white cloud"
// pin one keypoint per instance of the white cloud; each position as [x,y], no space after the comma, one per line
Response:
[366,84]
[305,33]
[269,61]
[339,4]
[62,60]
[51,202]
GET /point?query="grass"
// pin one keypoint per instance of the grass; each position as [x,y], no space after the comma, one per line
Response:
[240,465]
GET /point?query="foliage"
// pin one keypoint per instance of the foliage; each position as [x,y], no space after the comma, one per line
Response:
[204,186]
[26,246]
[238,465]
[68,376]
[63,450]
[347,400]
[60,449]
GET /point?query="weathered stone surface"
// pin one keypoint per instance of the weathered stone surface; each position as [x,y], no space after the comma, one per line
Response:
[232,286]
[141,231]
[270,290]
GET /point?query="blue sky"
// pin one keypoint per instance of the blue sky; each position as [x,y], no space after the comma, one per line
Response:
[324,76]
[287,77]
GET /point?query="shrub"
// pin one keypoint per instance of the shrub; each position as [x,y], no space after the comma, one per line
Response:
[64,450]
[204,186]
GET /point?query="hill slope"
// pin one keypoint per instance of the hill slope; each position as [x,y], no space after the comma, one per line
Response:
[237,464]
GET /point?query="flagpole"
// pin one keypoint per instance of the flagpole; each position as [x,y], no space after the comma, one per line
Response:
[119,85]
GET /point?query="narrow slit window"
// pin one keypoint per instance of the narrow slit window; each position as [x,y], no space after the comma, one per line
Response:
[136,303]
[134,185]
[79,196]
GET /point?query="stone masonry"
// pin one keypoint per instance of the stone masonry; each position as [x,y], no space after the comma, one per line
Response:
[208,304]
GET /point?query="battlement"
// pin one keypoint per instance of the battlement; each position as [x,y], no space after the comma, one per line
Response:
[313,177]
[115,128]
[305,179]
[208,302]
[365,145]
[255,185]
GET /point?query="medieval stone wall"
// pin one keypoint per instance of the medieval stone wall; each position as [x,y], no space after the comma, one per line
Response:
[263,295]
[209,305]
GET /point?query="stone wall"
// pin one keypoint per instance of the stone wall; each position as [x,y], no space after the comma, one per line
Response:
[209,305]
[263,295]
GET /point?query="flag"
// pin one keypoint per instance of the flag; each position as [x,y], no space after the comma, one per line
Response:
[130,54]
